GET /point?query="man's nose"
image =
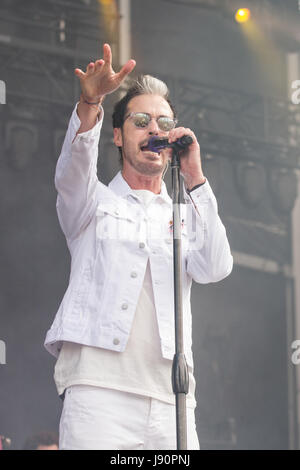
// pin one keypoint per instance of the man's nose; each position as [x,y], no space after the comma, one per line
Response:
[153,127]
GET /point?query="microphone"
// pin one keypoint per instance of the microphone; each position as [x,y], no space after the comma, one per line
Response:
[156,144]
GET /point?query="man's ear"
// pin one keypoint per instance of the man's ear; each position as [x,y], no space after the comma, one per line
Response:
[118,139]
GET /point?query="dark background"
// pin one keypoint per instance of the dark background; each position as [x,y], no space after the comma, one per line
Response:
[229,92]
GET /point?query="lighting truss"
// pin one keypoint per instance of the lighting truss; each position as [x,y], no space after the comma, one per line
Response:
[238,124]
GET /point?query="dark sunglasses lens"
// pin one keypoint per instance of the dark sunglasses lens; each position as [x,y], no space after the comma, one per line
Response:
[141,120]
[165,123]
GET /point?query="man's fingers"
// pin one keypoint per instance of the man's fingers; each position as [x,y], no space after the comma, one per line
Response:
[79,73]
[107,53]
[98,64]
[90,66]
[126,69]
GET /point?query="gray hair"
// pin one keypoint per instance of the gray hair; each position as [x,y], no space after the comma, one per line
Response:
[149,85]
[144,85]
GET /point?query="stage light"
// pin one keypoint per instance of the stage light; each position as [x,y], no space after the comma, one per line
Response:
[106,2]
[242,15]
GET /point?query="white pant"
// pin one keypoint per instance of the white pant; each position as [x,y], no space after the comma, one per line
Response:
[102,418]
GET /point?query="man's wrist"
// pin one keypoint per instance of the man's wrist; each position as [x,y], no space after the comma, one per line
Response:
[88,112]
[195,184]
[92,100]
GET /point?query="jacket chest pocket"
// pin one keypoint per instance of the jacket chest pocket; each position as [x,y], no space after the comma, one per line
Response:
[192,237]
[168,241]
[115,223]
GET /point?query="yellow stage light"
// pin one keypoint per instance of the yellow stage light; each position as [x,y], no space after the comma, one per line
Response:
[242,15]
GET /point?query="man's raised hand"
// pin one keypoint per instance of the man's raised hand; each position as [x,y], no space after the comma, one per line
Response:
[100,79]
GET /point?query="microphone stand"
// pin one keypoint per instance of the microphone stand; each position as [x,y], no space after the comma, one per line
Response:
[180,377]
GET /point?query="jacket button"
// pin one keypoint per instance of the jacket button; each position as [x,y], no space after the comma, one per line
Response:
[124,306]
[116,212]
[142,245]
[133,274]
[116,341]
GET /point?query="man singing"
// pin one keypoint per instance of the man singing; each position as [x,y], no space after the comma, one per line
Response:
[114,331]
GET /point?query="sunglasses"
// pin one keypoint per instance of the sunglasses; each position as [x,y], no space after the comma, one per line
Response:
[142,120]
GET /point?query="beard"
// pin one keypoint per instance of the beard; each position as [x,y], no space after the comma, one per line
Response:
[147,166]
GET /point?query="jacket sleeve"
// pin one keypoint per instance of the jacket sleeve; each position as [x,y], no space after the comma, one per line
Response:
[76,178]
[209,258]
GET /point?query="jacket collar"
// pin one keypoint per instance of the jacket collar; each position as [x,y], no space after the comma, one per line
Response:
[121,188]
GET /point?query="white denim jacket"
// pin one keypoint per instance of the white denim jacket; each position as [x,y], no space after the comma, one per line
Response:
[110,239]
